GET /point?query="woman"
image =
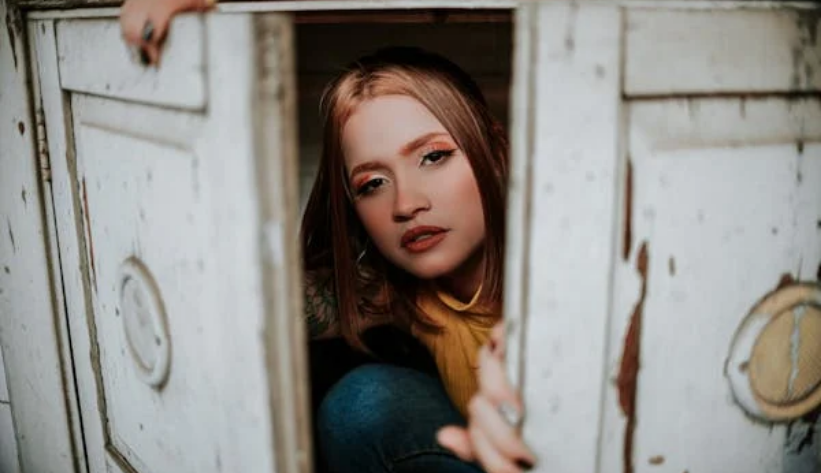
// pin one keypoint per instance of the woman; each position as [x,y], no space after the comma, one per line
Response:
[406,217]
[405,226]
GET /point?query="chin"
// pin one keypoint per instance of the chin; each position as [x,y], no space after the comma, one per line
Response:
[430,270]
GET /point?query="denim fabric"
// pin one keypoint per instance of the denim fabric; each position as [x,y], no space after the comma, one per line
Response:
[384,418]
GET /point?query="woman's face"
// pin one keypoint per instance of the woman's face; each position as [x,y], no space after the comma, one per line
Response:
[413,189]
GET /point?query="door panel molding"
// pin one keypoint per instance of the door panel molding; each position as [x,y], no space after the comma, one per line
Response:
[572,160]
[94,59]
[668,51]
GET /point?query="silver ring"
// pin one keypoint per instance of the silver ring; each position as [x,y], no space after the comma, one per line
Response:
[148,31]
[510,414]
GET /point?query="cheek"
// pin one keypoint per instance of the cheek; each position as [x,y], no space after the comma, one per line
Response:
[376,218]
[465,192]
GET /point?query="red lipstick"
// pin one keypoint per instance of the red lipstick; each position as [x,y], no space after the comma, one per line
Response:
[422,238]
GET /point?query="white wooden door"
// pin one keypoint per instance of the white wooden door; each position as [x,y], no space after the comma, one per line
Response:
[175,206]
[669,178]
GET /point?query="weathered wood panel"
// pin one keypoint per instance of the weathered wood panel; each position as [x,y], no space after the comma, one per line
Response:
[181,193]
[4,389]
[94,59]
[750,51]
[636,283]
[29,328]
[59,147]
[726,194]
[518,229]
[573,168]
[140,199]
[9,462]
[276,147]
[291,5]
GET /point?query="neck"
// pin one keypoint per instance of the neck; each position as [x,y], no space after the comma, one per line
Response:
[466,280]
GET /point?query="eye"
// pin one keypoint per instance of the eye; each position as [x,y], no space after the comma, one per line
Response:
[370,186]
[434,157]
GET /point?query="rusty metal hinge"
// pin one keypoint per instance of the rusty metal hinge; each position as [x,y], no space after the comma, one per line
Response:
[43,157]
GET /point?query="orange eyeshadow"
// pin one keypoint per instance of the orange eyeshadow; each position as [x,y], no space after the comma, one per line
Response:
[362,180]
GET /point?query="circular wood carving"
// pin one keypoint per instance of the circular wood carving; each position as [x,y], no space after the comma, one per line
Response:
[774,366]
[144,323]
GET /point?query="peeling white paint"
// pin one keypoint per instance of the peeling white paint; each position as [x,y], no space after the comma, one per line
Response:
[795,346]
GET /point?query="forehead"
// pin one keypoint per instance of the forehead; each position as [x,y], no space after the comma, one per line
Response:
[379,127]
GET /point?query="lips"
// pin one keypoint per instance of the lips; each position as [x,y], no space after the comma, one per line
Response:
[422,238]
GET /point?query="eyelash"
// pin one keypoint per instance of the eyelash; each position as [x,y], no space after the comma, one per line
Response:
[367,188]
[439,153]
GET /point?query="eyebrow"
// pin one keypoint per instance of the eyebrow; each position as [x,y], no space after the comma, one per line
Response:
[364,167]
[419,142]
[407,149]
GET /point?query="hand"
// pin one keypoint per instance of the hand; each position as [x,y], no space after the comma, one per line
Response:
[490,438]
[144,23]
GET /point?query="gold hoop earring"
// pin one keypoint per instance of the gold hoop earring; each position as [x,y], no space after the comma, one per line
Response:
[362,254]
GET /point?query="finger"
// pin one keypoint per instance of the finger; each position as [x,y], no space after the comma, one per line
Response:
[205,5]
[499,433]
[457,440]
[131,23]
[144,58]
[489,457]
[497,340]
[160,24]
[153,34]
[493,381]
[153,52]
[125,17]
[133,16]
[498,331]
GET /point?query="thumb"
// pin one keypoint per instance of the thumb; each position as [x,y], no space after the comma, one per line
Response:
[457,440]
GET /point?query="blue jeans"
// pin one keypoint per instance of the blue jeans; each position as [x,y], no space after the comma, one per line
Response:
[384,418]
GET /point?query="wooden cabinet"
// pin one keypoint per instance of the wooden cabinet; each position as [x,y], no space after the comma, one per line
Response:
[171,216]
[171,209]
[666,175]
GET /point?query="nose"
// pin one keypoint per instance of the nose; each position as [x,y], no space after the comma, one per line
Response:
[408,202]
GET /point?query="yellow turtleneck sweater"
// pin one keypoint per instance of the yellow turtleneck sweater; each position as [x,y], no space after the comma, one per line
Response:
[465,328]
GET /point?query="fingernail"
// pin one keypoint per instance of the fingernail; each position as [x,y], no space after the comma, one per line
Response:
[524,464]
[144,59]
